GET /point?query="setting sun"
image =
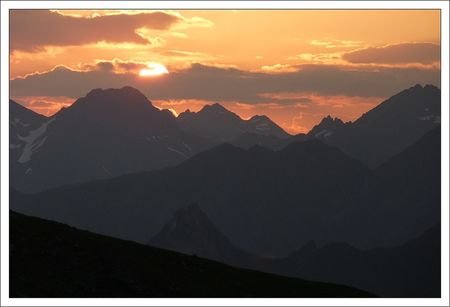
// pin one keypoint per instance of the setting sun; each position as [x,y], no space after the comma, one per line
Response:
[153,69]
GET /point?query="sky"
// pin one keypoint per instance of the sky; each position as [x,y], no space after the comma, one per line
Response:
[294,66]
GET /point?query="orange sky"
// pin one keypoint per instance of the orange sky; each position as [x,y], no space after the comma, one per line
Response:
[294,66]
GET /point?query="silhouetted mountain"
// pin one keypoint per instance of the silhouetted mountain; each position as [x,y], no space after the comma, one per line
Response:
[107,133]
[22,121]
[191,232]
[248,140]
[49,259]
[388,128]
[409,270]
[404,196]
[267,203]
[326,128]
[220,125]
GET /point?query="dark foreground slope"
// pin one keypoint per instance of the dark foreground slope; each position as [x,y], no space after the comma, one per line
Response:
[49,259]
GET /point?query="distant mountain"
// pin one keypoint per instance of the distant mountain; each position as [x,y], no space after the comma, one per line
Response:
[248,140]
[49,259]
[190,231]
[404,196]
[220,125]
[410,270]
[106,133]
[22,121]
[326,128]
[267,202]
[388,128]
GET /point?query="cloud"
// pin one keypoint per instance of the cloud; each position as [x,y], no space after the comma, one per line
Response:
[335,43]
[33,29]
[45,105]
[230,84]
[105,66]
[423,53]
[277,68]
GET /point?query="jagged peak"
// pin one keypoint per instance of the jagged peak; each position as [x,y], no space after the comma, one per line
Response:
[330,119]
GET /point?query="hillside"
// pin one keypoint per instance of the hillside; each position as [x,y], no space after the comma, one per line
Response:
[49,259]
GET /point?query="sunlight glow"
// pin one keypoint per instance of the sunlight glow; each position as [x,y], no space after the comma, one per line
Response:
[153,69]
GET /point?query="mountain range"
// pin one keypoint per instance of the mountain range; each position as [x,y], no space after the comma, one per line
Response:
[52,260]
[130,135]
[107,133]
[409,270]
[267,202]
[387,129]
[220,125]
[366,192]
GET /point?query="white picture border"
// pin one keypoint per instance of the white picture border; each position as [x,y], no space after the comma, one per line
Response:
[174,5]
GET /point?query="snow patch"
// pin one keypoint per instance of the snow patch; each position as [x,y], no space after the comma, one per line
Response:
[328,134]
[14,146]
[32,144]
[263,127]
[106,171]
[427,117]
[319,134]
[28,171]
[187,147]
[17,121]
[178,152]
[436,119]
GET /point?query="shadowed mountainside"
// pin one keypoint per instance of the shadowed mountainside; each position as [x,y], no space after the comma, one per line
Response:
[49,259]
[387,129]
[104,134]
[220,125]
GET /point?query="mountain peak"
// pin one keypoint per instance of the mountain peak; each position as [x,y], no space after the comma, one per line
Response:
[418,89]
[192,211]
[216,107]
[129,92]
[190,231]
[330,120]
[327,126]
[122,101]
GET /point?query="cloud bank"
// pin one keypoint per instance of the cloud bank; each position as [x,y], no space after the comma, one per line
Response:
[53,29]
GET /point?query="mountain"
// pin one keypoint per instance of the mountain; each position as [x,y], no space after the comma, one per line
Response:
[219,125]
[326,128]
[410,270]
[404,196]
[248,140]
[22,121]
[106,133]
[190,231]
[49,259]
[388,128]
[267,202]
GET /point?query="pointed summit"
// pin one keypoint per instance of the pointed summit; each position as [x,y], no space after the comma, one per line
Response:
[190,231]
[326,128]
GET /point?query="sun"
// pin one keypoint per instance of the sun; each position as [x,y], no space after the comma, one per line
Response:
[153,69]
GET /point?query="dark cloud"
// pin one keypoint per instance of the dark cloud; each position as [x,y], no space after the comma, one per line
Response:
[424,53]
[130,66]
[33,29]
[230,84]
[105,66]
